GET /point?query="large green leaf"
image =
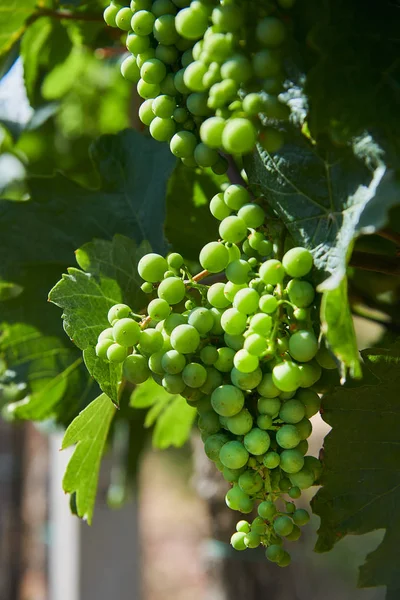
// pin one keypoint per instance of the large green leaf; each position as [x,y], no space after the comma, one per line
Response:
[189,224]
[326,199]
[86,297]
[13,17]
[361,484]
[89,431]
[170,414]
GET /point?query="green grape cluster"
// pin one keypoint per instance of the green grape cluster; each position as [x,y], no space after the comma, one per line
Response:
[210,80]
[243,351]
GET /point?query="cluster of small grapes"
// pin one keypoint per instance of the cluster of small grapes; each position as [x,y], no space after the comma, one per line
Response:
[207,84]
[243,351]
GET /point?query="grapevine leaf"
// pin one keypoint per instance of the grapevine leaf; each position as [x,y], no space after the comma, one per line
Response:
[89,431]
[172,416]
[13,17]
[189,224]
[360,481]
[326,200]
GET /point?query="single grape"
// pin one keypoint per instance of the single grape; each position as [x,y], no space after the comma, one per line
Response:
[209,355]
[243,526]
[213,445]
[211,131]
[250,482]
[227,400]
[295,492]
[239,136]
[285,560]
[106,334]
[214,257]
[255,344]
[233,455]
[152,267]
[246,301]
[150,341]
[268,304]
[173,362]
[241,423]
[237,271]
[261,324]
[272,459]
[173,384]
[172,290]
[238,541]
[164,30]
[102,346]
[126,332]
[173,321]
[304,428]
[288,437]
[231,289]
[158,309]
[123,18]
[233,229]
[264,421]
[286,376]
[209,422]
[269,406]
[292,411]
[146,114]
[246,381]
[130,69]
[252,540]
[245,362]
[202,319]
[272,272]
[216,296]
[213,381]
[283,525]
[109,15]
[301,293]
[183,144]
[233,322]
[194,375]
[301,517]
[274,553]
[185,339]
[292,461]
[325,358]
[116,353]
[234,341]
[224,362]
[259,525]
[297,262]
[270,31]
[314,465]
[253,215]
[154,363]
[142,22]
[118,311]
[236,196]
[232,475]
[266,510]
[267,388]
[257,441]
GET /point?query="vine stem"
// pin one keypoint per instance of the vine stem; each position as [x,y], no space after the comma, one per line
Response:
[66,14]
[233,172]
[201,275]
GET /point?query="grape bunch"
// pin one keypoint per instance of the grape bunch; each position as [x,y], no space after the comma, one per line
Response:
[243,351]
[210,80]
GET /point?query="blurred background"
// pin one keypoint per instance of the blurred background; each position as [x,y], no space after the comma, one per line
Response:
[169,541]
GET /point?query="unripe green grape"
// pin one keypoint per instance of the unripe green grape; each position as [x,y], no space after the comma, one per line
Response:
[234,323]
[214,257]
[269,406]
[271,139]
[302,479]
[267,388]
[164,30]
[191,24]
[209,355]
[314,465]
[185,339]
[135,369]
[302,447]
[233,455]
[173,384]
[155,365]
[224,362]
[301,293]
[246,381]
[274,553]
[216,296]
[106,334]
[252,540]
[310,400]
[292,461]
[142,22]
[283,525]
[209,422]
[237,271]
[158,309]
[150,341]
[301,517]
[123,19]
[295,492]
[173,362]
[202,319]
[163,106]
[126,332]
[253,104]
[243,526]
[194,375]
[183,144]
[270,31]
[272,459]
[193,76]
[217,327]
[266,510]
[163,7]
[196,103]
[250,482]
[162,130]
[252,214]
[325,358]
[146,114]
[148,90]
[213,445]
[245,362]
[304,428]
[241,423]
[268,304]
[136,44]
[213,381]
[239,136]
[246,301]
[264,421]
[234,341]
[288,437]
[167,85]
[231,289]
[102,346]
[110,13]
[173,321]
[292,411]
[236,196]
[237,541]
[140,5]
[286,376]
[180,115]
[218,208]
[205,156]
[130,70]
[232,475]
[175,260]
[285,484]
[172,290]
[295,535]
[227,400]
[227,18]
[255,344]
[211,131]
[237,67]
[257,441]
[261,324]
[233,229]
[118,311]
[116,353]
[297,262]
[272,272]
[285,560]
